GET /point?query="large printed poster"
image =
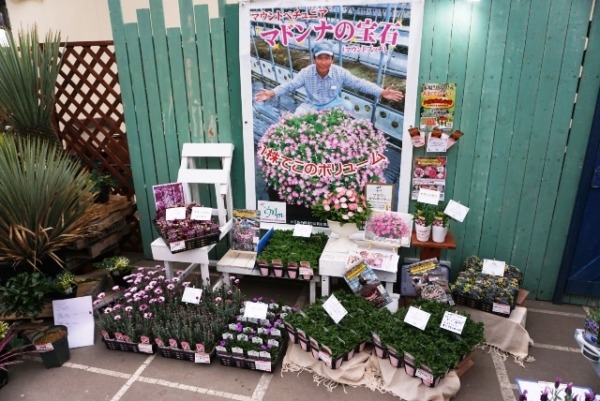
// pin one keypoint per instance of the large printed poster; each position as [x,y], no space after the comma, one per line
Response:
[328,91]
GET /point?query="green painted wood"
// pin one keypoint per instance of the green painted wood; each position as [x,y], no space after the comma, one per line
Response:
[217,31]
[442,28]
[578,138]
[178,86]
[504,124]
[143,195]
[494,56]
[152,96]
[557,141]
[133,140]
[232,38]
[163,71]
[529,83]
[471,102]
[544,104]
[205,66]
[192,78]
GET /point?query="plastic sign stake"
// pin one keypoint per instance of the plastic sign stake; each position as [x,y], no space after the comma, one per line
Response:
[417,317]
[192,295]
[335,309]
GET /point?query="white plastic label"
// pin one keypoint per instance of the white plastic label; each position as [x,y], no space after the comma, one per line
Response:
[493,267]
[175,213]
[201,213]
[335,309]
[417,317]
[192,295]
[453,322]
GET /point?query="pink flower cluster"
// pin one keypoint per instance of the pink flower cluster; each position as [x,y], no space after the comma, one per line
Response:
[343,205]
[388,225]
[328,137]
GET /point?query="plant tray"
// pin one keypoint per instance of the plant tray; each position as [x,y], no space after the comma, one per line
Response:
[192,243]
[480,304]
[192,356]
[245,363]
[125,346]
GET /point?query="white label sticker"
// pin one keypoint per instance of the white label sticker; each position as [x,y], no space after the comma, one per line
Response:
[456,210]
[501,308]
[305,271]
[335,309]
[493,267]
[436,144]
[417,317]
[145,348]
[202,357]
[201,213]
[423,374]
[44,347]
[265,366]
[175,213]
[302,230]
[429,196]
[192,295]
[453,322]
[256,310]
[177,246]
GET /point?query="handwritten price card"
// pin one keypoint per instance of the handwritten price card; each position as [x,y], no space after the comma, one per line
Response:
[493,267]
[256,310]
[192,295]
[335,309]
[453,322]
[429,196]
[201,213]
[455,210]
[175,213]
[417,317]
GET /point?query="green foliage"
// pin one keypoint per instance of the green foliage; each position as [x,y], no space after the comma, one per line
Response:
[28,74]
[63,281]
[424,213]
[115,263]
[44,197]
[287,248]
[101,180]
[24,295]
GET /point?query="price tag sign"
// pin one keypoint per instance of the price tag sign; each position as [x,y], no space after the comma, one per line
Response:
[44,347]
[192,295]
[429,196]
[417,317]
[177,246]
[453,322]
[175,213]
[436,144]
[202,357]
[265,366]
[455,210]
[145,348]
[256,310]
[302,230]
[501,308]
[422,374]
[201,213]
[335,309]
[493,267]
[305,271]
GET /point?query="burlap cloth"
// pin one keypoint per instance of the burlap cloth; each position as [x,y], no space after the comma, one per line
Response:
[369,371]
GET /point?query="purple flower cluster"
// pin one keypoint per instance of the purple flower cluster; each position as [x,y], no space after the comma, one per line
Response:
[332,142]
[178,230]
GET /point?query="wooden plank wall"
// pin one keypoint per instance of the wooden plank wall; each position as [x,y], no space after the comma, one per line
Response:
[516,63]
[517,66]
[175,90]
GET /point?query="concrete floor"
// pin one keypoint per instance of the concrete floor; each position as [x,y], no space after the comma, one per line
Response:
[95,373]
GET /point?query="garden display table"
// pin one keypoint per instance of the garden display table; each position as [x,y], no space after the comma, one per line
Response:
[242,263]
[430,249]
[332,263]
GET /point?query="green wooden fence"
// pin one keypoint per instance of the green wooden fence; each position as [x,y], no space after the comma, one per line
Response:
[517,66]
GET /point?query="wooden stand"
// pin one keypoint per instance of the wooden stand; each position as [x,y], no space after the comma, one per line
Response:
[430,249]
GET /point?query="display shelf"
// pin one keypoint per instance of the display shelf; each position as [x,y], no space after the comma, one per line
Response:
[430,249]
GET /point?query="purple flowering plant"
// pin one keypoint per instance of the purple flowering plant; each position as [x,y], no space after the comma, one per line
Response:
[178,230]
[558,393]
[152,307]
[304,157]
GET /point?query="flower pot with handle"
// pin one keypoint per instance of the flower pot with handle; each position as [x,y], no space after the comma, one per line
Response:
[53,345]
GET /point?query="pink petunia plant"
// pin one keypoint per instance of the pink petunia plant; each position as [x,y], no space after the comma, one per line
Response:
[343,205]
[388,225]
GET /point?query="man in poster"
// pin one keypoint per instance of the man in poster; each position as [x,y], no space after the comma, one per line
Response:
[323,82]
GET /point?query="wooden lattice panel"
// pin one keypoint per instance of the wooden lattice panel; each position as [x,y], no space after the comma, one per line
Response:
[89,112]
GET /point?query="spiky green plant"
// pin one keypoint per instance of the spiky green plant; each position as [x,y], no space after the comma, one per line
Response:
[28,74]
[44,197]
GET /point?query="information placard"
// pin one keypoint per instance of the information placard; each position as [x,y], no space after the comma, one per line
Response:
[78,315]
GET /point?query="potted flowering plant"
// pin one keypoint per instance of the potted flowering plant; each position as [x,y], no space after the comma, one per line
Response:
[389,228]
[328,138]
[424,215]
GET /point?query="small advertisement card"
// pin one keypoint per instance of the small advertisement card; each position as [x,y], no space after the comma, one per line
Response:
[363,281]
[335,309]
[417,317]
[192,295]
[256,310]
[455,210]
[389,228]
[272,212]
[493,267]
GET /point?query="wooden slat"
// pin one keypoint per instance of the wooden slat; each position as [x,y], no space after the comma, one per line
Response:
[205,66]
[217,32]
[178,85]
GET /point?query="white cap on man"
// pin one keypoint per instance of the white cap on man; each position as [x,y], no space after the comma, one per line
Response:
[323,48]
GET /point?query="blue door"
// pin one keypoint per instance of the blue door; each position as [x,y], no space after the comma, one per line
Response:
[580,269]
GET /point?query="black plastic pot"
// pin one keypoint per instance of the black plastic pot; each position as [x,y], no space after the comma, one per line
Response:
[117,277]
[103,195]
[55,353]
[70,293]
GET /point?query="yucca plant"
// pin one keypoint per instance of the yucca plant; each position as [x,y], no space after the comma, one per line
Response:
[44,196]
[28,74]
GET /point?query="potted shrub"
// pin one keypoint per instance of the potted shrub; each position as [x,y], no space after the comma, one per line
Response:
[45,208]
[63,286]
[24,295]
[118,267]
[102,185]
[423,216]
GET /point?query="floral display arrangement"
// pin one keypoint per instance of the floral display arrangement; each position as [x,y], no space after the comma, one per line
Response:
[429,353]
[481,291]
[252,343]
[316,332]
[184,234]
[559,392]
[304,157]
[343,205]
[151,313]
[286,253]
[390,228]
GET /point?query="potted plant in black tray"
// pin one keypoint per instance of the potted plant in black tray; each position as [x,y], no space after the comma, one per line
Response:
[118,267]
[53,345]
[63,286]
